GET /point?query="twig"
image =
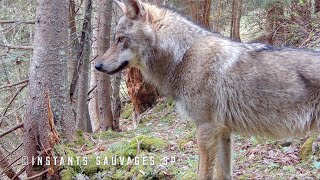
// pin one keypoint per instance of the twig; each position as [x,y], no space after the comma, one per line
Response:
[92,89]
[8,167]
[12,129]
[13,111]
[37,175]
[11,152]
[94,58]
[17,47]
[92,150]
[13,98]
[20,172]
[15,84]
[306,41]
[16,21]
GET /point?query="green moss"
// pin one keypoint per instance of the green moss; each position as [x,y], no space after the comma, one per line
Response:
[192,134]
[67,174]
[127,111]
[106,135]
[170,104]
[187,175]
[147,143]
[146,119]
[306,148]
[159,107]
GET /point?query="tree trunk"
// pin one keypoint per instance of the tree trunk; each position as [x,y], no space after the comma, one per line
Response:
[115,83]
[142,94]
[216,24]
[103,80]
[82,106]
[116,103]
[235,20]
[274,28]
[200,11]
[93,103]
[48,85]
[317,6]
[74,48]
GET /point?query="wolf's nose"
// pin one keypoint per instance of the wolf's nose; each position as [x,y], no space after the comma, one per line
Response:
[99,66]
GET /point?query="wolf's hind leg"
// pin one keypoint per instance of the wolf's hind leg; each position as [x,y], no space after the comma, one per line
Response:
[214,144]
[223,162]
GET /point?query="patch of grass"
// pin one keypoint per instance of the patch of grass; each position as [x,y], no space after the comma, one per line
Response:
[159,107]
[106,135]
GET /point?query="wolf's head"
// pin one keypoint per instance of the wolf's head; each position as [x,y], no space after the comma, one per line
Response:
[133,39]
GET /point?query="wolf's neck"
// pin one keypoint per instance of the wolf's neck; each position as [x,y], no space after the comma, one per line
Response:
[175,36]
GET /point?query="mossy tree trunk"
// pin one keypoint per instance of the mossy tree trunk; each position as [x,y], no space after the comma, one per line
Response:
[48,80]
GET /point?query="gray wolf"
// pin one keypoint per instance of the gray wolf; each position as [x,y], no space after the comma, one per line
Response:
[225,87]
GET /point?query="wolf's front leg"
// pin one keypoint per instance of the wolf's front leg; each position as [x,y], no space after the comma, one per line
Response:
[214,144]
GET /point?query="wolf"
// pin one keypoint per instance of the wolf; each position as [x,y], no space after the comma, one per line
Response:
[225,87]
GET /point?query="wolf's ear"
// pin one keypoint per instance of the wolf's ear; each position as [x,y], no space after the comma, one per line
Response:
[135,10]
[122,6]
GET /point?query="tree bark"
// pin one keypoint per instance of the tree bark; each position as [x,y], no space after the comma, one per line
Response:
[235,20]
[74,48]
[103,80]
[200,11]
[116,103]
[142,94]
[274,28]
[93,103]
[216,24]
[317,6]
[82,121]
[48,84]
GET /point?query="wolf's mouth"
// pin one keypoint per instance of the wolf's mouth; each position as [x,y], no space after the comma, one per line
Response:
[120,68]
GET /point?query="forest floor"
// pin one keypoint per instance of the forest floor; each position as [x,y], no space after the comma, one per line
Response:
[166,149]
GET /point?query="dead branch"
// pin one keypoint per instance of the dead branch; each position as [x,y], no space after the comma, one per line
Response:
[13,98]
[54,137]
[92,89]
[94,58]
[11,152]
[20,172]
[17,47]
[90,151]
[15,84]
[13,111]
[9,166]
[12,129]
[16,21]
[37,175]
[9,171]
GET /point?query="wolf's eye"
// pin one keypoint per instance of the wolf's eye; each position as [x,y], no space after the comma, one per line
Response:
[120,39]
